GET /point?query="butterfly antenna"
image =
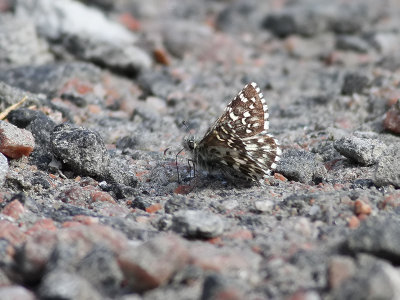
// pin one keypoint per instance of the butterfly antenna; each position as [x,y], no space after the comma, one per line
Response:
[184,123]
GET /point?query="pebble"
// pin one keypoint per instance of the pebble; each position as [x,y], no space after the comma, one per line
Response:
[153,263]
[16,292]
[303,166]
[3,169]
[59,284]
[392,119]
[264,205]
[387,169]
[14,209]
[20,43]
[15,142]
[217,287]
[377,236]
[354,83]
[352,43]
[184,36]
[197,224]
[364,151]
[373,279]
[101,269]
[340,269]
[73,23]
[80,150]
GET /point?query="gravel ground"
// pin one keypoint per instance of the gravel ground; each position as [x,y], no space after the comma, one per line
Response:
[90,202]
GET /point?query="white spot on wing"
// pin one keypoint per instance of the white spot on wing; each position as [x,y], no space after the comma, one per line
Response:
[233,116]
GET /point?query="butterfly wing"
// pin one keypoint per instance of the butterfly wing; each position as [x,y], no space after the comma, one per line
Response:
[238,141]
[246,115]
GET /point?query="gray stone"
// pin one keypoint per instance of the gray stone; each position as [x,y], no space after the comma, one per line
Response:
[67,286]
[101,269]
[49,78]
[303,166]
[388,168]
[20,44]
[3,168]
[375,279]
[242,16]
[120,172]
[184,36]
[197,224]
[122,58]
[264,205]
[154,262]
[101,41]
[216,285]
[377,236]
[354,83]
[353,43]
[15,292]
[364,151]
[58,19]
[80,150]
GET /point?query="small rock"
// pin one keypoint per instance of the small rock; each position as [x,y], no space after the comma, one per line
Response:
[264,205]
[217,287]
[392,119]
[241,16]
[197,224]
[125,59]
[301,166]
[121,172]
[375,279]
[75,241]
[49,78]
[16,292]
[141,202]
[72,21]
[35,254]
[354,83]
[182,37]
[387,170]
[362,208]
[353,43]
[101,269]
[159,84]
[20,44]
[3,169]
[362,150]
[385,42]
[153,263]
[22,117]
[15,142]
[41,128]
[11,233]
[377,236]
[224,260]
[230,204]
[340,269]
[80,150]
[63,285]
[14,209]
[302,20]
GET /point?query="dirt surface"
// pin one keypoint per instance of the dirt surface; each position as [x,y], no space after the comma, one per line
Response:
[90,203]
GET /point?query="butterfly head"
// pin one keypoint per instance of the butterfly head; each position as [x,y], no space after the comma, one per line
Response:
[189,143]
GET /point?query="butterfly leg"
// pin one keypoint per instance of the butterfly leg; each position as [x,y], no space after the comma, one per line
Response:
[177,167]
[190,164]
